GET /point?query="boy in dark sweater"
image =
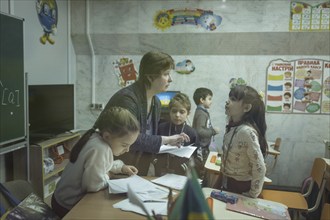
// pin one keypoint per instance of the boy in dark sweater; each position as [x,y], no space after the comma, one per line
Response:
[179,107]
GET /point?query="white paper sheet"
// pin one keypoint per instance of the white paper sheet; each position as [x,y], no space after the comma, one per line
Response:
[134,203]
[159,208]
[184,151]
[145,189]
[171,180]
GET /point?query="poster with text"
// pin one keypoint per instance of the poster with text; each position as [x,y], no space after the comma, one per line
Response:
[306,17]
[299,86]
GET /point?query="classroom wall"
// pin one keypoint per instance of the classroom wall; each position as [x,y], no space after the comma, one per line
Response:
[252,34]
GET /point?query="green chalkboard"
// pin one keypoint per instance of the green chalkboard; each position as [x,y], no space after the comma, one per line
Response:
[12,80]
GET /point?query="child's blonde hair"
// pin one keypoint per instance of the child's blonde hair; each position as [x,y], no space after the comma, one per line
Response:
[182,99]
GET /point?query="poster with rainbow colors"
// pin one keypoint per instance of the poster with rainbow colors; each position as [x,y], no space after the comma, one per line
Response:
[298,86]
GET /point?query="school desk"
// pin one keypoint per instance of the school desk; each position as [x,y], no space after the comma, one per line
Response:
[99,206]
[213,170]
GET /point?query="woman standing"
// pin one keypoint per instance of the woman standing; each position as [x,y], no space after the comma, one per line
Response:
[139,98]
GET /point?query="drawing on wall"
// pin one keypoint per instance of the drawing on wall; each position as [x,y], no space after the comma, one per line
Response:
[164,19]
[47,14]
[298,86]
[305,17]
[185,67]
[125,71]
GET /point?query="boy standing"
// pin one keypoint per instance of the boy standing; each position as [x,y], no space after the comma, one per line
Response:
[202,121]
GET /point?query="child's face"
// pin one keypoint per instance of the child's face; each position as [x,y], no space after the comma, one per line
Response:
[120,145]
[178,114]
[207,101]
[234,109]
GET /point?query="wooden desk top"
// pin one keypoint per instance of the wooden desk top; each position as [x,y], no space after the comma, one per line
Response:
[211,166]
[99,206]
[220,211]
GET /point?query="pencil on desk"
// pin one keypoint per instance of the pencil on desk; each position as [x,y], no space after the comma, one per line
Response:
[170,201]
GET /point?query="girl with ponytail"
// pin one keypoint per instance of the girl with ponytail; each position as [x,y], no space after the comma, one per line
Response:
[92,158]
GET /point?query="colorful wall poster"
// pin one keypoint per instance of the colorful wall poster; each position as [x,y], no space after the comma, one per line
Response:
[305,17]
[205,18]
[299,86]
[125,71]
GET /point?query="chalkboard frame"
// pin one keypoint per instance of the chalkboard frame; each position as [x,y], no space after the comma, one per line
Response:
[12,80]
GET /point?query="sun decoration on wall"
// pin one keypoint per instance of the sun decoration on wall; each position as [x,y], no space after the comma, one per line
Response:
[164,19]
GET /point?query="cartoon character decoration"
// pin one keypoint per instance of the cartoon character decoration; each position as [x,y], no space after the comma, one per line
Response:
[185,67]
[47,14]
[209,21]
[205,18]
[125,70]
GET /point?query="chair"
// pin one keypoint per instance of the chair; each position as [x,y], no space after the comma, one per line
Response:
[325,215]
[19,188]
[273,150]
[277,144]
[296,201]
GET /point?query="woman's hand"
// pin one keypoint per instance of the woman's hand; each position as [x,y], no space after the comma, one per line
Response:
[129,170]
[176,140]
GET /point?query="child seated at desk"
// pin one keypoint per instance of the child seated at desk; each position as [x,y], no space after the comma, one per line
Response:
[91,158]
[179,107]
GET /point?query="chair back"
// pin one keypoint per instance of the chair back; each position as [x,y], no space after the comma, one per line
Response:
[19,188]
[318,171]
[325,215]
[277,144]
[318,175]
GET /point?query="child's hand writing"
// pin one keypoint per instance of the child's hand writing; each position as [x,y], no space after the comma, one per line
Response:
[129,170]
[176,140]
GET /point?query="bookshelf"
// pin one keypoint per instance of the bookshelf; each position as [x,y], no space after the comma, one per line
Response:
[58,149]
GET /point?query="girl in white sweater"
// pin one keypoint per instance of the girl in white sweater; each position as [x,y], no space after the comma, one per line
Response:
[92,158]
[244,144]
